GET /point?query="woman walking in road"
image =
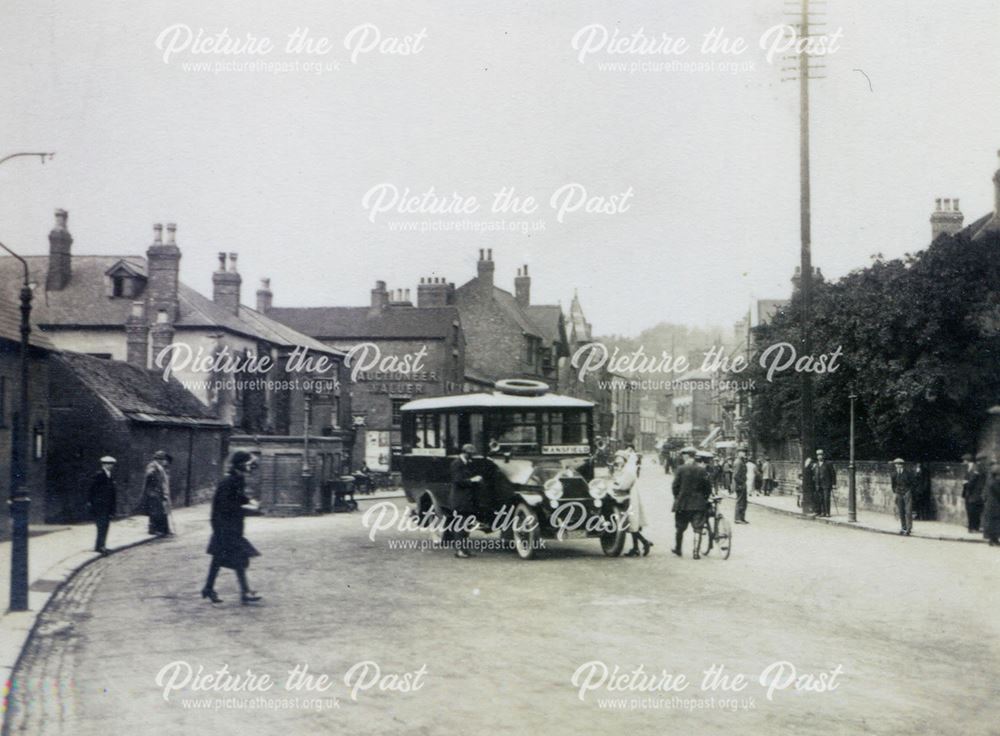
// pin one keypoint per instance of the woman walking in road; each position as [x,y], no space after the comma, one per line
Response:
[625,477]
[228,546]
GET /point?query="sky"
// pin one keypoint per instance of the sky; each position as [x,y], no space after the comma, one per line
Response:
[696,168]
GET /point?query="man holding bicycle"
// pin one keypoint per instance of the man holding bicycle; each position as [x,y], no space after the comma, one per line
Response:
[692,489]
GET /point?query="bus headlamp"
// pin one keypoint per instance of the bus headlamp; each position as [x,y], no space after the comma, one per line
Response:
[553,489]
[598,488]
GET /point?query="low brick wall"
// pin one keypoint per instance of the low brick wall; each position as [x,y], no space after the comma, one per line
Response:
[874,487]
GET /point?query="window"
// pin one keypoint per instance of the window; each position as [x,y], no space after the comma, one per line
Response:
[428,431]
[117,286]
[38,442]
[397,415]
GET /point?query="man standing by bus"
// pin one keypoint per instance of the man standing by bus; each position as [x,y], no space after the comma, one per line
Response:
[692,489]
[464,483]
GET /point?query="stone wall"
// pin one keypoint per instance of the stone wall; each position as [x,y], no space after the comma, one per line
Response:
[874,487]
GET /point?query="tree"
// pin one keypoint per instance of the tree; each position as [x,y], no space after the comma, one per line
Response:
[921,340]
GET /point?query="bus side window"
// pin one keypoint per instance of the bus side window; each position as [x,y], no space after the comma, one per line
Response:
[454,445]
[432,423]
[418,435]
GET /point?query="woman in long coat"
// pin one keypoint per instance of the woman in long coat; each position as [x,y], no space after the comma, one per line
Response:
[625,476]
[991,512]
[228,546]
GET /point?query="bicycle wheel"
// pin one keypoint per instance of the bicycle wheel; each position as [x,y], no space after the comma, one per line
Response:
[703,539]
[724,536]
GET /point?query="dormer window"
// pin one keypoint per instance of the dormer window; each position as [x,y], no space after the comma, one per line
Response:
[124,281]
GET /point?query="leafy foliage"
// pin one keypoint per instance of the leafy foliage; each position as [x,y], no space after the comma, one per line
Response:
[921,349]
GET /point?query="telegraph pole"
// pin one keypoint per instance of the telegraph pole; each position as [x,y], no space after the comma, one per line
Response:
[807,438]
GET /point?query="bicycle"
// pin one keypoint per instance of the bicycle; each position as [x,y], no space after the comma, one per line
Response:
[715,532]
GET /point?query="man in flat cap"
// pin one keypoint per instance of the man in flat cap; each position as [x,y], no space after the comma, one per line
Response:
[464,482]
[692,489]
[824,480]
[902,488]
[103,501]
[156,491]
[740,486]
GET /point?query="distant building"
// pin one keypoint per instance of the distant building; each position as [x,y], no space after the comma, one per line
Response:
[506,335]
[595,386]
[401,352]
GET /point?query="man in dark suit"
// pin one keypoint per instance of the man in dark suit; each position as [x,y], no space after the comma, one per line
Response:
[902,488]
[972,491]
[102,499]
[464,482]
[740,486]
[824,479]
[692,489]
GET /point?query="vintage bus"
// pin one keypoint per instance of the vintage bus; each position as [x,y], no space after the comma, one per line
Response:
[535,452]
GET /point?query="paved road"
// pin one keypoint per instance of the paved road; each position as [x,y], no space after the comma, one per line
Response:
[911,624]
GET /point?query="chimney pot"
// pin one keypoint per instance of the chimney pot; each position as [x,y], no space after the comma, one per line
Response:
[937,203]
[955,202]
[158,234]
[489,254]
[171,233]
[232,261]
[222,261]
[481,255]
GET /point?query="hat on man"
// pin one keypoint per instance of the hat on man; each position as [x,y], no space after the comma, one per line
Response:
[967,458]
[899,461]
[108,459]
[689,450]
[240,457]
[161,455]
[469,449]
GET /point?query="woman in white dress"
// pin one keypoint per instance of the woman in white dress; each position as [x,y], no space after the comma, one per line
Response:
[625,476]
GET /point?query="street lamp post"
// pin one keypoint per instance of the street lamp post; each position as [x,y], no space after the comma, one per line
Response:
[20,500]
[852,495]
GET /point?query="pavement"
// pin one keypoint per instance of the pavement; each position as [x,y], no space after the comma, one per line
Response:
[500,640]
[870,521]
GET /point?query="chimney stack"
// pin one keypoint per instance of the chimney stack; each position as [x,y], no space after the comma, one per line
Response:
[137,336]
[432,292]
[946,217]
[226,285]
[522,287]
[162,333]
[380,298]
[163,265]
[60,257]
[264,296]
[484,271]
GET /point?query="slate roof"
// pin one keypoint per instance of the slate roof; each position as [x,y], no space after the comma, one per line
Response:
[983,226]
[548,318]
[83,302]
[137,394]
[10,326]
[361,323]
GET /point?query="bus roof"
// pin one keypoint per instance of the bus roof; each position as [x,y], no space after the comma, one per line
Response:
[496,400]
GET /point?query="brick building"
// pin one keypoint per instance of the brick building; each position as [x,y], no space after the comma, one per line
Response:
[39,424]
[506,335]
[133,307]
[397,351]
[108,407]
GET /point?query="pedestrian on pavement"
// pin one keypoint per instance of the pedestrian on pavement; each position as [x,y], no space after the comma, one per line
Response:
[740,486]
[692,490]
[727,474]
[625,476]
[972,491]
[156,494]
[824,479]
[902,488]
[753,476]
[102,499]
[991,510]
[464,483]
[228,547]
[770,476]
[808,476]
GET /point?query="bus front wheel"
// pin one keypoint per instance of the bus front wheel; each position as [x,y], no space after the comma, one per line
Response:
[524,531]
